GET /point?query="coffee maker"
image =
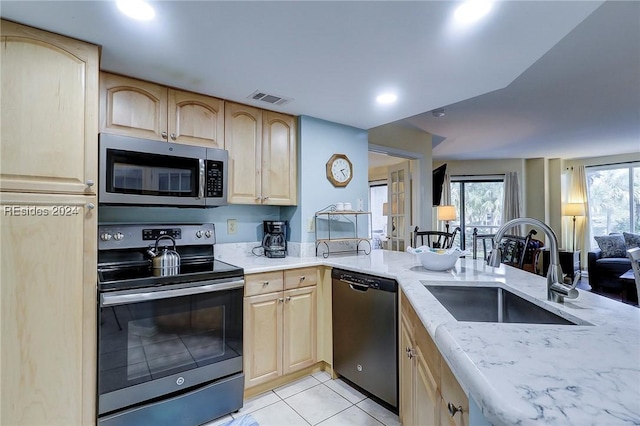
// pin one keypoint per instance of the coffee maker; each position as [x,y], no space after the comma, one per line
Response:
[274,241]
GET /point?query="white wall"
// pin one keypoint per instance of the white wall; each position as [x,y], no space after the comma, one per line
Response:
[483,167]
[598,161]
[415,141]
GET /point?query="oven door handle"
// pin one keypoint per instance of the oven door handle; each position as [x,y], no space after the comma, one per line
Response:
[107,299]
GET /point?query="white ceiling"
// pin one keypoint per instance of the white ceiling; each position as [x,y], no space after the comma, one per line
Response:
[333,58]
[581,99]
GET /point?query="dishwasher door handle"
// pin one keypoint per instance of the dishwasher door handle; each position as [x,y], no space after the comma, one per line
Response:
[355,286]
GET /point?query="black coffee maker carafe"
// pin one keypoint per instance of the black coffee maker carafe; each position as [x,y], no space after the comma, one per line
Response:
[274,241]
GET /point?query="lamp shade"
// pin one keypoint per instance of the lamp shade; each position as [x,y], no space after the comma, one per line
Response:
[446,212]
[573,209]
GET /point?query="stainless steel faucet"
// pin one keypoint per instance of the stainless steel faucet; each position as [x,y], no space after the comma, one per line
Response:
[556,289]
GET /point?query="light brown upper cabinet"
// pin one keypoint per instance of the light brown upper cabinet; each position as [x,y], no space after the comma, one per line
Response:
[49,112]
[146,110]
[262,156]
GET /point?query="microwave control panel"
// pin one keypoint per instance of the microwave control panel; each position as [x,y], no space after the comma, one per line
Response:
[215,178]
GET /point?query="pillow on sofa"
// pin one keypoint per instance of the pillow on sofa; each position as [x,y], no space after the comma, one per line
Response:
[612,245]
[631,240]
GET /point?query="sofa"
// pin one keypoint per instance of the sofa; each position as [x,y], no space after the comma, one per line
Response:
[606,263]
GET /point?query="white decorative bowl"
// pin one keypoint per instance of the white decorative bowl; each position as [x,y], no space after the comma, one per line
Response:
[437,260]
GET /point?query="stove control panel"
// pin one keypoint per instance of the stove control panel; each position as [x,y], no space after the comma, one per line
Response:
[155,233]
[121,236]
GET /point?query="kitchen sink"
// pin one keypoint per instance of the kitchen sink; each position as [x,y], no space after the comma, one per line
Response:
[494,304]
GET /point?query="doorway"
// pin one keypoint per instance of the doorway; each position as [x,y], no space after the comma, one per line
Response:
[390,198]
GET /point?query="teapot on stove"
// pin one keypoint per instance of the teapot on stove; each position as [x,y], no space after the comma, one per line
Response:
[167,262]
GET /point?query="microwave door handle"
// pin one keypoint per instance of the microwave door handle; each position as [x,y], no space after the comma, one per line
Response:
[201,182]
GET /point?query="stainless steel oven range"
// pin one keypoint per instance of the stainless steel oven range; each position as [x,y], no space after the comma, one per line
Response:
[169,338]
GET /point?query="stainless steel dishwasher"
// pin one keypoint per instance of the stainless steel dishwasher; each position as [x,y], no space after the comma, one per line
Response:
[365,333]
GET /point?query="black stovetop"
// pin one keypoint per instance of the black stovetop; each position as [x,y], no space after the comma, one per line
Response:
[113,277]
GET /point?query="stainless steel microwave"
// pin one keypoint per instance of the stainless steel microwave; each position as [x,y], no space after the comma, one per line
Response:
[135,171]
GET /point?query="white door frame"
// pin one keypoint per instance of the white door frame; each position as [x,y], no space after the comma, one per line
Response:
[399,211]
[421,187]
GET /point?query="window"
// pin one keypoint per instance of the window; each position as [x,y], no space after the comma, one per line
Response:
[614,199]
[478,202]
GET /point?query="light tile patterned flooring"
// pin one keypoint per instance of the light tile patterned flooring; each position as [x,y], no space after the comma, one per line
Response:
[314,400]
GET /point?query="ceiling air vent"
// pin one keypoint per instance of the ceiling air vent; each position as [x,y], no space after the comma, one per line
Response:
[268,98]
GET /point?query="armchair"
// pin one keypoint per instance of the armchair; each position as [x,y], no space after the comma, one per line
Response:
[604,272]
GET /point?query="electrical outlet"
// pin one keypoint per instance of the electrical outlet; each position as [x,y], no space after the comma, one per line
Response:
[311,225]
[232,226]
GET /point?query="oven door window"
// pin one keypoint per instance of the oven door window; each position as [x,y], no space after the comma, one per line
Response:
[150,174]
[145,341]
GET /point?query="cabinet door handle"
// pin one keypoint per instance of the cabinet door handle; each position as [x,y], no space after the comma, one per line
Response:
[173,136]
[90,182]
[302,278]
[281,300]
[259,198]
[410,353]
[164,135]
[453,409]
[288,298]
[91,206]
[265,283]
[266,198]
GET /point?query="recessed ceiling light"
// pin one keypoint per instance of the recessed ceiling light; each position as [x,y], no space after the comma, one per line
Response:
[386,98]
[472,10]
[136,9]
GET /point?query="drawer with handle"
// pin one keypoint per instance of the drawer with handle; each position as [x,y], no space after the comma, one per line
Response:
[265,282]
[301,277]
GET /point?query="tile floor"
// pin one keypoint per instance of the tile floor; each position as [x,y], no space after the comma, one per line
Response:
[314,400]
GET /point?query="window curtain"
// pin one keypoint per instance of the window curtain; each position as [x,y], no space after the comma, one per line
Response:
[511,205]
[445,200]
[577,193]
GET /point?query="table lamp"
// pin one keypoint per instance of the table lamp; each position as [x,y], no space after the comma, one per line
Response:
[447,213]
[573,209]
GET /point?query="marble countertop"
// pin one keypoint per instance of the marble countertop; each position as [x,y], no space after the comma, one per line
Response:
[517,373]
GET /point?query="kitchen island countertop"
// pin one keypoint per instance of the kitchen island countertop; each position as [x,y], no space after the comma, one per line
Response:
[516,373]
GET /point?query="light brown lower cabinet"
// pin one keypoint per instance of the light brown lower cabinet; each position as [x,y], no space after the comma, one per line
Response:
[279,325]
[454,404]
[427,385]
[48,309]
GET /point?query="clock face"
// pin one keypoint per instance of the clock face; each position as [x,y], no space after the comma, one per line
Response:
[339,170]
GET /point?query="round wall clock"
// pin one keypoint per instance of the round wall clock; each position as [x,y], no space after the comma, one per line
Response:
[339,170]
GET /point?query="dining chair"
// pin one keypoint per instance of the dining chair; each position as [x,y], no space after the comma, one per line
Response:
[634,256]
[514,249]
[484,239]
[435,239]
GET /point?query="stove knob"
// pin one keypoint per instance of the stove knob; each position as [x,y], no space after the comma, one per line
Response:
[208,233]
[105,236]
[118,236]
[199,234]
